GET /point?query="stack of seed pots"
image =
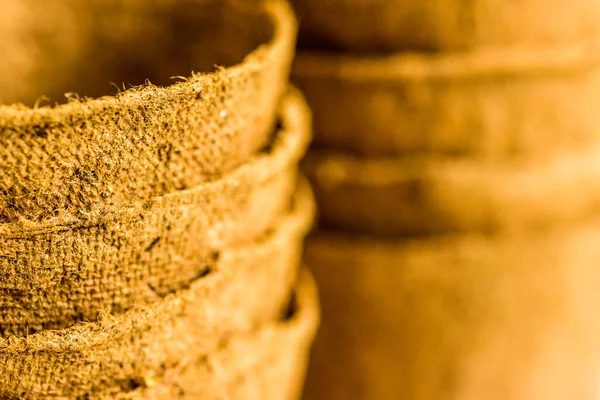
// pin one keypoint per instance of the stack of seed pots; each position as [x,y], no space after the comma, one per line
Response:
[456,169]
[150,240]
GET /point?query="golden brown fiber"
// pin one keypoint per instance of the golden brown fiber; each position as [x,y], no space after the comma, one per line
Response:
[248,286]
[61,162]
[266,365]
[54,274]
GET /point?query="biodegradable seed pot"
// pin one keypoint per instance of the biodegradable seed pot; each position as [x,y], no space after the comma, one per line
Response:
[488,104]
[433,194]
[212,72]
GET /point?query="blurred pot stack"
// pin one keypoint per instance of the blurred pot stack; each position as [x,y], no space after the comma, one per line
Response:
[456,165]
[150,241]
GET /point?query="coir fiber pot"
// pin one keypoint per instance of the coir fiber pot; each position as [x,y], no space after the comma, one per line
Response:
[58,162]
[489,104]
[425,195]
[109,259]
[457,318]
[268,364]
[388,25]
[245,287]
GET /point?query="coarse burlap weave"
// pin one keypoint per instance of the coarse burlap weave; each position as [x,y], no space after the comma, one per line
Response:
[56,274]
[246,287]
[269,364]
[490,104]
[388,25]
[457,318]
[425,195]
[57,163]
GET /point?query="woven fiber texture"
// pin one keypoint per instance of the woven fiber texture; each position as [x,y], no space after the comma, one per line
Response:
[267,364]
[59,162]
[246,287]
[384,25]
[457,318]
[431,195]
[54,275]
[489,104]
